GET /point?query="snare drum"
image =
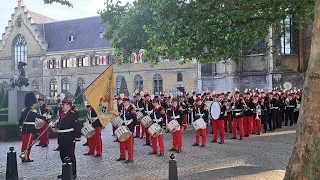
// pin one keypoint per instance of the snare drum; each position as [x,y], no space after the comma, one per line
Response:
[139,115]
[155,130]
[88,130]
[39,123]
[173,126]
[123,133]
[117,122]
[146,121]
[199,124]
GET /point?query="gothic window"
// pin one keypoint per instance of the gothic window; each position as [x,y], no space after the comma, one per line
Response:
[286,36]
[179,77]
[118,83]
[157,84]
[65,84]
[138,83]
[53,87]
[35,85]
[20,50]
[81,83]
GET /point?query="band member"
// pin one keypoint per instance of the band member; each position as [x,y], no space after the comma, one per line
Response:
[27,123]
[158,116]
[265,113]
[120,111]
[69,132]
[139,103]
[290,106]
[43,110]
[184,105]
[167,106]
[228,115]
[257,115]
[130,119]
[201,111]
[218,124]
[95,142]
[237,113]
[176,112]
[248,115]
[296,111]
[190,101]
[148,109]
[56,113]
[274,107]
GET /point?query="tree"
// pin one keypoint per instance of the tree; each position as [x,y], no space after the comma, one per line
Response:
[123,87]
[62,2]
[78,96]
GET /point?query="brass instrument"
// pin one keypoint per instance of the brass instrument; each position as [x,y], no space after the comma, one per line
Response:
[258,111]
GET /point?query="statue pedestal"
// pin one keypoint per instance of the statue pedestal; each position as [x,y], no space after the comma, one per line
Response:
[16,104]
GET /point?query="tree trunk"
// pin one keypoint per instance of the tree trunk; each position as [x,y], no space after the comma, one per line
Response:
[305,159]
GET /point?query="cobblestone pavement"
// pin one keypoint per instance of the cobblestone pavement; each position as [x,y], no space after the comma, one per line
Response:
[257,157]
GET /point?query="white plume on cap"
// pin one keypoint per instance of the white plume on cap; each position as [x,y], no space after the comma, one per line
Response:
[202,93]
[246,90]
[152,97]
[136,91]
[141,93]
[62,96]
[121,95]
[214,92]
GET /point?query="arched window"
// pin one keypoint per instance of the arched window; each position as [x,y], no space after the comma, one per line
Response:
[138,83]
[179,77]
[20,50]
[81,83]
[35,85]
[53,87]
[157,84]
[118,83]
[65,84]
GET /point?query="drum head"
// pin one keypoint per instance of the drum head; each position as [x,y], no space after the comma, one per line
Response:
[215,110]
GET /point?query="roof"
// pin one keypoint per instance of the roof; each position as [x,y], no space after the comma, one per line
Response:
[40,19]
[86,33]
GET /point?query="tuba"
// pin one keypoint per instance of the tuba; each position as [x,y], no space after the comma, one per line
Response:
[258,111]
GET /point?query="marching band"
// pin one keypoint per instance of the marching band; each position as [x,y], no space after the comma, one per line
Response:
[147,117]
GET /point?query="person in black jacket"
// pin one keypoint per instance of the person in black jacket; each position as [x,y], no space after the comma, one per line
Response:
[27,123]
[69,132]
[176,112]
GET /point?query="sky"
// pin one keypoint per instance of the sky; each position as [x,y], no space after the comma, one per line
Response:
[81,9]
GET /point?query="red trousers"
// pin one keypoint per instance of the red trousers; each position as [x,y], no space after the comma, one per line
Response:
[138,125]
[26,142]
[161,144]
[237,122]
[148,137]
[185,121]
[177,139]
[127,145]
[95,142]
[143,131]
[203,133]
[247,124]
[44,139]
[113,130]
[257,122]
[218,125]
[228,122]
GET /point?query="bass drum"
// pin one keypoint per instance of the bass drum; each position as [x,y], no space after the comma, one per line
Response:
[123,133]
[215,110]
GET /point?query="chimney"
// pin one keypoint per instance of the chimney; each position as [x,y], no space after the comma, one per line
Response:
[20,3]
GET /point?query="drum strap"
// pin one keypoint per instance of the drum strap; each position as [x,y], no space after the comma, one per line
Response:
[24,122]
[175,117]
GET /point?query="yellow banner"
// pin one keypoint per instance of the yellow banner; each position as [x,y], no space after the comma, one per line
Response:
[100,96]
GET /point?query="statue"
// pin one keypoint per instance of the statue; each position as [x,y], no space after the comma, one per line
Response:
[21,79]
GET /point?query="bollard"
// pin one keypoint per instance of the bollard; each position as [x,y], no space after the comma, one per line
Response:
[173,171]
[67,171]
[12,168]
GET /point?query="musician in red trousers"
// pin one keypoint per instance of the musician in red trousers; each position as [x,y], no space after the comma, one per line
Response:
[43,110]
[56,112]
[248,115]
[218,124]
[139,103]
[95,142]
[148,109]
[257,114]
[201,111]
[184,105]
[237,113]
[27,123]
[176,112]
[158,116]
[130,120]
[120,111]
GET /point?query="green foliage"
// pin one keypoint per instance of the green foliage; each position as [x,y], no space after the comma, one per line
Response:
[209,31]
[123,88]
[62,2]
[78,96]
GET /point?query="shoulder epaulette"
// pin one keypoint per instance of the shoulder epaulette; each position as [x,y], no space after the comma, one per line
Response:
[162,111]
[180,108]
[205,107]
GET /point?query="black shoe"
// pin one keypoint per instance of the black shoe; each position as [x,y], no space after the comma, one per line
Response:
[60,176]
[97,155]
[58,149]
[230,131]
[87,154]
[213,141]
[161,154]
[258,133]
[172,149]
[203,145]
[28,160]
[115,140]
[121,159]
[85,144]
[147,145]
[195,144]
[152,153]
[128,161]
[45,145]
[246,135]
[265,132]
[240,139]
[178,151]
[221,142]
[39,145]
[74,176]
[233,138]
[137,137]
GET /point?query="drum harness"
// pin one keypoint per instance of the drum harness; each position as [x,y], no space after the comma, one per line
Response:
[175,117]
[125,121]
[199,113]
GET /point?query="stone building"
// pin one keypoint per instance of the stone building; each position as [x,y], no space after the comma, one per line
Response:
[62,55]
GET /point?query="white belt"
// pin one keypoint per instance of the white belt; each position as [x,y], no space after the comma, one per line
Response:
[157,120]
[237,110]
[30,123]
[139,109]
[289,106]
[274,108]
[175,117]
[65,130]
[200,115]
[148,112]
